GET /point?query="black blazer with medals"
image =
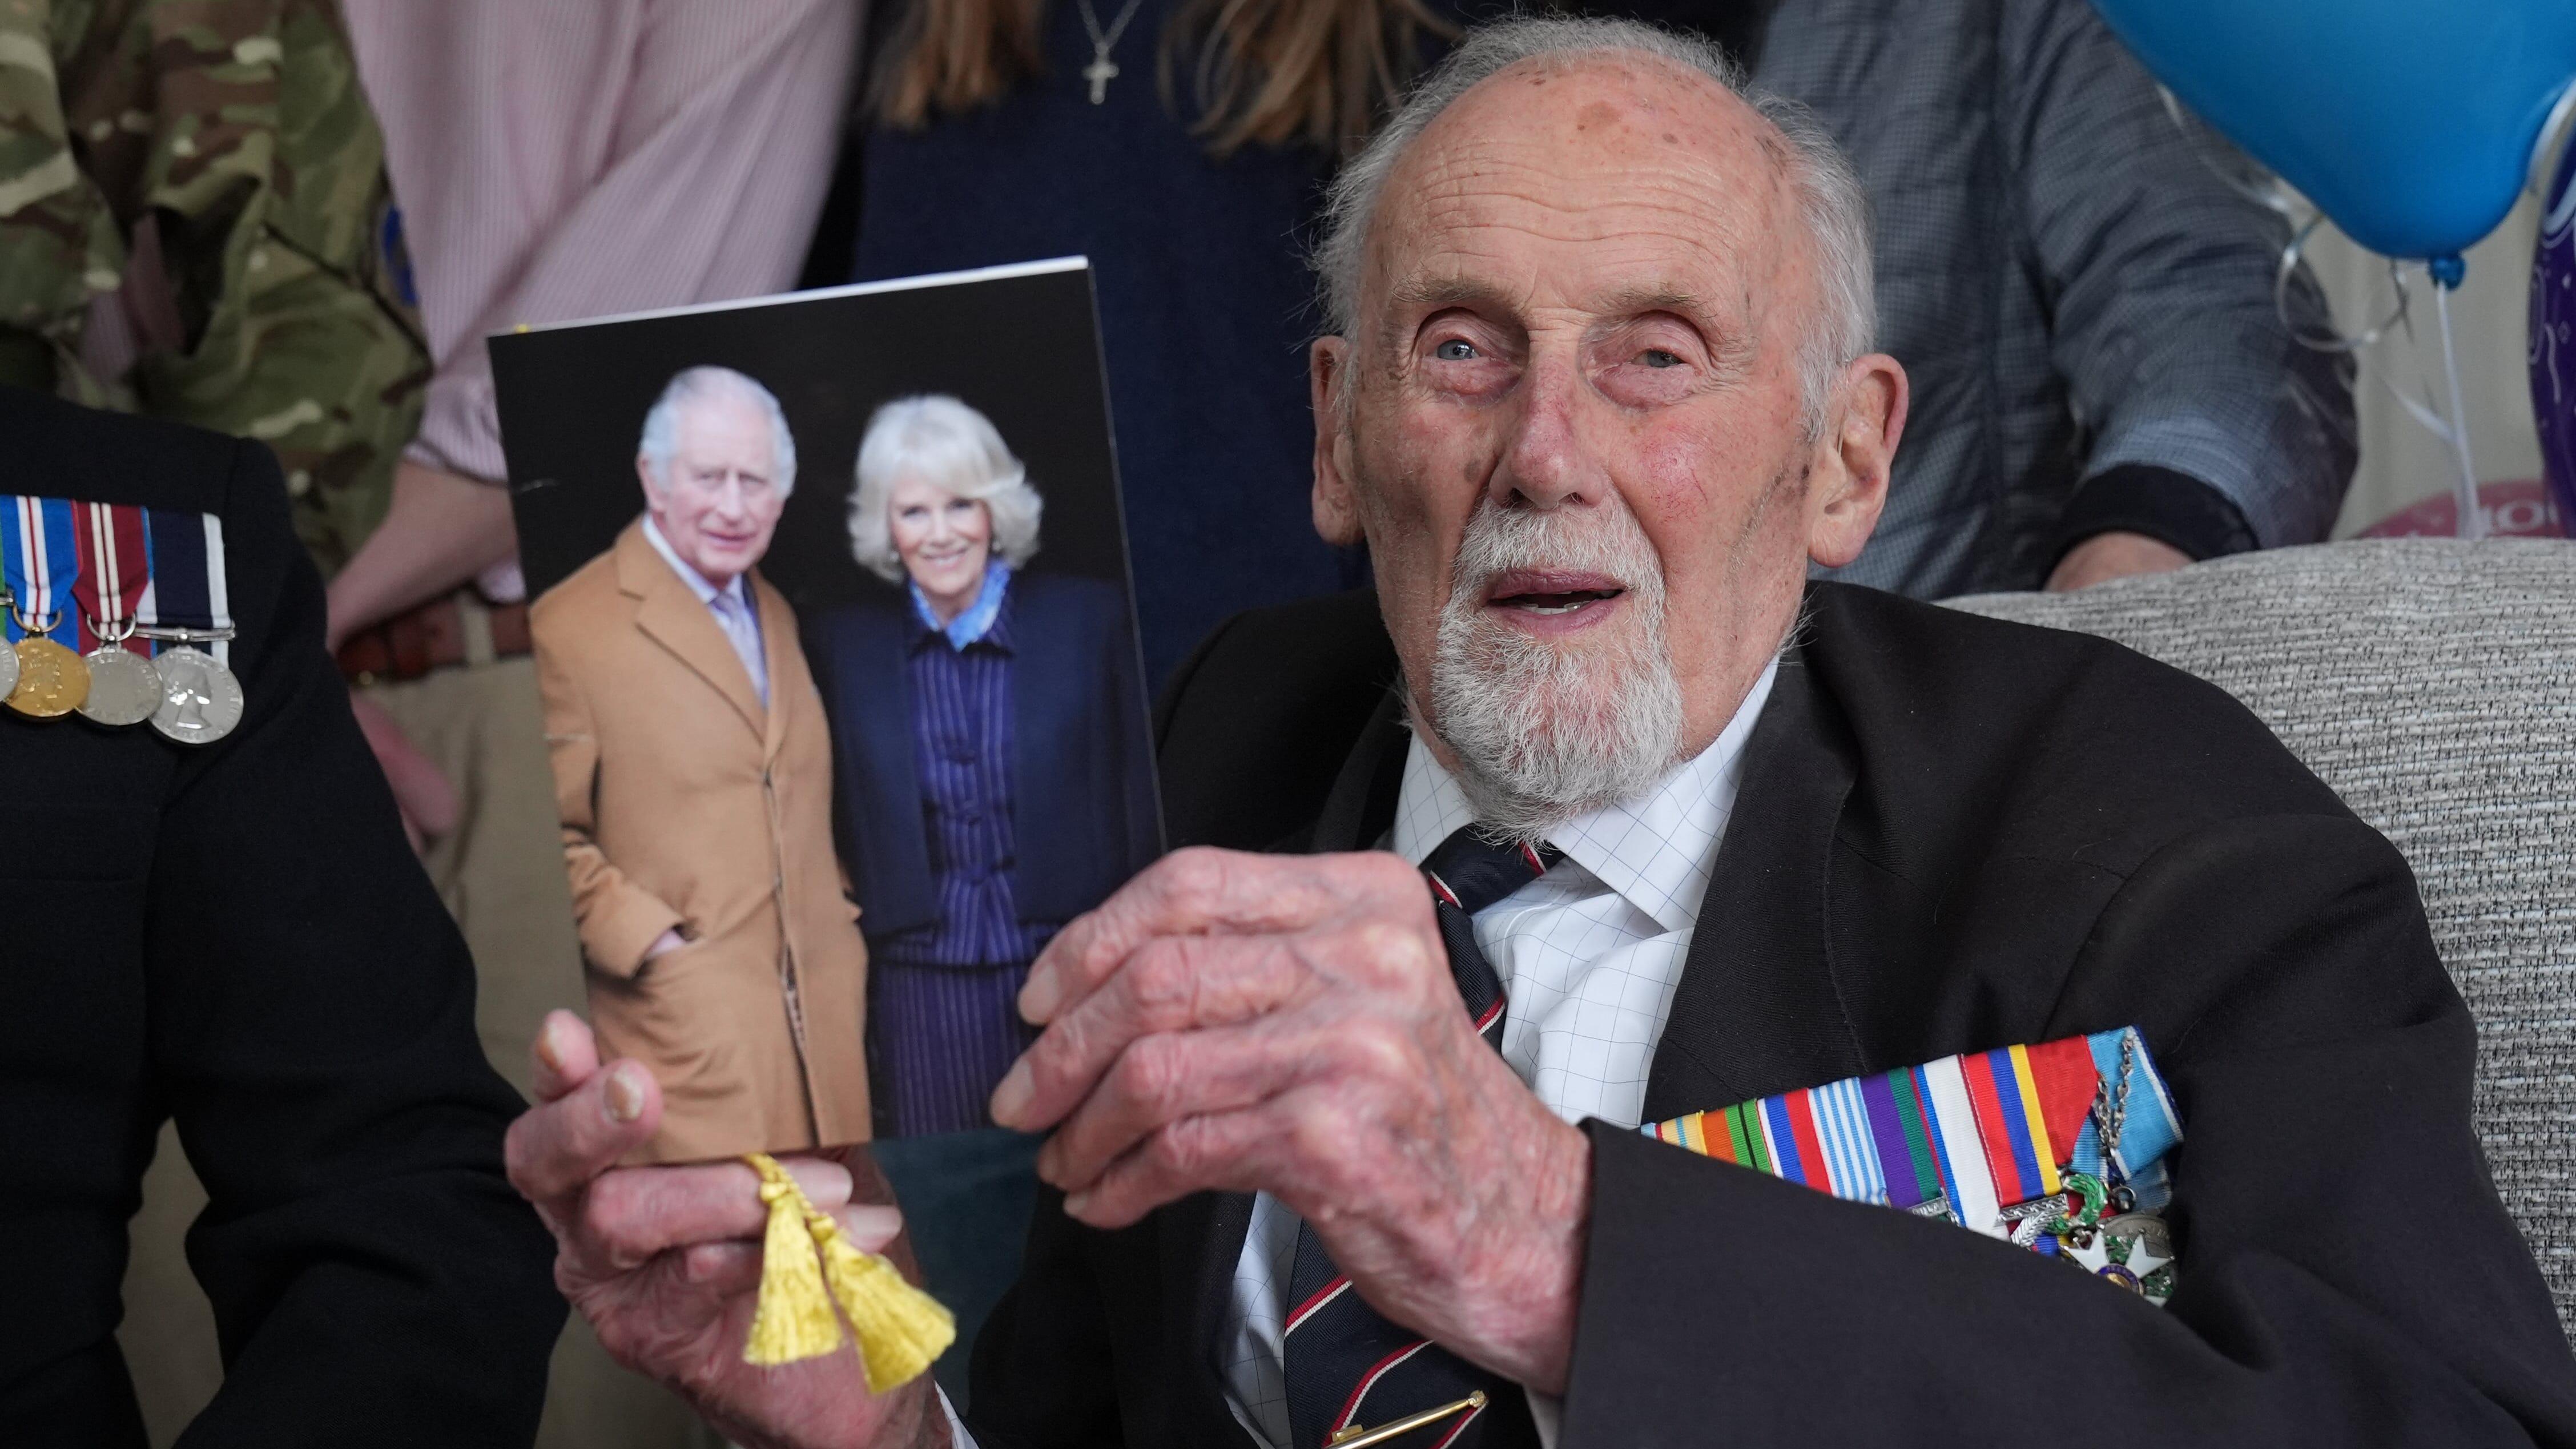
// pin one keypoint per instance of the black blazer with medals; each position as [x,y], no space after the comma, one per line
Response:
[239,937]
[1952,834]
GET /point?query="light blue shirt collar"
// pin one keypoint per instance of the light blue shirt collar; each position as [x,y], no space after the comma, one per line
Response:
[978,618]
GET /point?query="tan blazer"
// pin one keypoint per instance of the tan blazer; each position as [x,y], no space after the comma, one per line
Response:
[685,804]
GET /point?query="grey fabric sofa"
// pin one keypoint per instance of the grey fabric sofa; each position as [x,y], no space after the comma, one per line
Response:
[2432,683]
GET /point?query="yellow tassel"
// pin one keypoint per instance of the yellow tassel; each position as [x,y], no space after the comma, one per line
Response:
[900,1328]
[794,1320]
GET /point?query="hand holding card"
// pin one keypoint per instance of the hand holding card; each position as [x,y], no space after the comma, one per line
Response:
[665,1262]
[834,638]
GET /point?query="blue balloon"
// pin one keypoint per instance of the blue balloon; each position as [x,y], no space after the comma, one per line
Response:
[2553,341]
[2411,125]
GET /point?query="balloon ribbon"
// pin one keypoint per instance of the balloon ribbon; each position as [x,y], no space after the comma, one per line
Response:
[900,1329]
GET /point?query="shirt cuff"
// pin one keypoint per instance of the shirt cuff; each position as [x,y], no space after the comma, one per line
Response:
[2170,507]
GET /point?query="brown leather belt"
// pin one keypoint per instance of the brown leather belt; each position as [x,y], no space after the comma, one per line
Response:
[432,636]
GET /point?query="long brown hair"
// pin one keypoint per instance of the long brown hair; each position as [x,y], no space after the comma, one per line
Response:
[1269,72]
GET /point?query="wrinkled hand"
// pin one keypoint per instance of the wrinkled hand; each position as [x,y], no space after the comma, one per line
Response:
[665,1261]
[421,792]
[2114,555]
[1289,1024]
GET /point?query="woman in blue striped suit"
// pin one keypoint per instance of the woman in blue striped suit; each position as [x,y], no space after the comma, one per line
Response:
[995,780]
[992,757]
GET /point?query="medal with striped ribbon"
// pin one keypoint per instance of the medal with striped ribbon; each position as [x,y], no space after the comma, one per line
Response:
[40,559]
[2032,1144]
[115,567]
[185,605]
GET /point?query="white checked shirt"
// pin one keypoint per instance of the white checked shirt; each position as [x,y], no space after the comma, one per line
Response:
[731,605]
[1588,953]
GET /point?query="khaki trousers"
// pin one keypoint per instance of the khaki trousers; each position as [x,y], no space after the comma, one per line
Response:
[502,875]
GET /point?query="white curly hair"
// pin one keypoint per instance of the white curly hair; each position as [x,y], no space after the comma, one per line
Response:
[661,440]
[952,447]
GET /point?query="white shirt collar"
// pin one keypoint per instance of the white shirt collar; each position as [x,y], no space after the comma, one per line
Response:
[696,581]
[1657,851]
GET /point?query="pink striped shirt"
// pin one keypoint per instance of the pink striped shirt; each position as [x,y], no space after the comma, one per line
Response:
[558,159]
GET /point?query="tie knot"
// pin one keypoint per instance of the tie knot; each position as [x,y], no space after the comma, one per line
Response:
[1471,870]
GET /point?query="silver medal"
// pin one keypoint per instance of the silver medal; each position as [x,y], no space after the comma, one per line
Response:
[124,687]
[8,670]
[201,702]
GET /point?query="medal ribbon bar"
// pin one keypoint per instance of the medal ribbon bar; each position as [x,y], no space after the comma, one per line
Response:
[1974,1133]
[187,590]
[41,560]
[115,568]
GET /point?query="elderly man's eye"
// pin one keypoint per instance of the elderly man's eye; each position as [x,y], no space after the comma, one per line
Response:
[1658,357]
[1456,349]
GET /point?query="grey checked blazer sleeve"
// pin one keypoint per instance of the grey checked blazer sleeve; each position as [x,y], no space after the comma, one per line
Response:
[2161,280]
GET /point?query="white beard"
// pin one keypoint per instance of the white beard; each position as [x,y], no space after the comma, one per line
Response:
[1545,731]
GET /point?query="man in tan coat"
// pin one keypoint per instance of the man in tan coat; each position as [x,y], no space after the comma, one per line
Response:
[693,772]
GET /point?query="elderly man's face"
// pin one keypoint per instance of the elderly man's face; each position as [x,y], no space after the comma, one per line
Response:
[719,501]
[1570,421]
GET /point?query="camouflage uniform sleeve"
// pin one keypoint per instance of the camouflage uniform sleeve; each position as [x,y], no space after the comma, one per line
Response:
[237,129]
[59,243]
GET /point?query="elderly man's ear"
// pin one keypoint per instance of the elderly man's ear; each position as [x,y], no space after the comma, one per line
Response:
[1337,508]
[1847,477]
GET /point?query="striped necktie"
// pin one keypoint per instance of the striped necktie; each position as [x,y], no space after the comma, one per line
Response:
[1346,1367]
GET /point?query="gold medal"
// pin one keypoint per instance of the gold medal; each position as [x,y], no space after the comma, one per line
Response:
[52,680]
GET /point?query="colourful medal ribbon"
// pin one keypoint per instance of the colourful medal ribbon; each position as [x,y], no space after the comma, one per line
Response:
[114,568]
[1979,1131]
[186,590]
[41,558]
[2149,1127]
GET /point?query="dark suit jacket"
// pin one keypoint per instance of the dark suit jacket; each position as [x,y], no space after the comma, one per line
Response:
[1081,770]
[1952,834]
[239,936]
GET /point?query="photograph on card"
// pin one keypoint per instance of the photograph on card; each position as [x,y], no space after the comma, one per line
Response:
[836,645]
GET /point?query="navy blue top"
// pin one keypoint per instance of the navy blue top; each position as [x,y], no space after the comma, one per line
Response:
[1205,308]
[1057,775]
[961,745]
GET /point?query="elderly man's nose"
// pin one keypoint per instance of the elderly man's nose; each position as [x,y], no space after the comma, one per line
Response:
[1544,463]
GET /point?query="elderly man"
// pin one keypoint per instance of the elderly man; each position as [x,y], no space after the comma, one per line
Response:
[1599,391]
[693,772]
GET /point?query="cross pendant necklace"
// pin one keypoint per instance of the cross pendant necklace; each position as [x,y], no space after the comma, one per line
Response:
[1102,69]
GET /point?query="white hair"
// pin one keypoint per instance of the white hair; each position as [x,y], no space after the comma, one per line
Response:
[695,385]
[950,446]
[1545,733]
[1829,193]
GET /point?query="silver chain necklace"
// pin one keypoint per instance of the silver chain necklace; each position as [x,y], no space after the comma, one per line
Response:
[1102,69]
